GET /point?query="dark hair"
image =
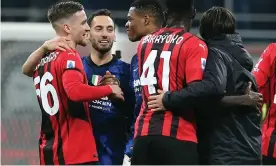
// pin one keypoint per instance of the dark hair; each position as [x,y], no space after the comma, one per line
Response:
[101,12]
[63,10]
[217,21]
[150,7]
[180,7]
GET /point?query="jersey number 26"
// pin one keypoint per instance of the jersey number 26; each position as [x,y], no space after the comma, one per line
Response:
[43,93]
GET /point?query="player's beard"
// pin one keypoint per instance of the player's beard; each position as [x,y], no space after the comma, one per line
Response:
[101,50]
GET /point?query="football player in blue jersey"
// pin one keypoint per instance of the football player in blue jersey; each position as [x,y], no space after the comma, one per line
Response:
[110,119]
[144,17]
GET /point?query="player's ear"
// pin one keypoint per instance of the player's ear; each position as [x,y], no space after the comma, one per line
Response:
[146,20]
[114,34]
[66,28]
[114,37]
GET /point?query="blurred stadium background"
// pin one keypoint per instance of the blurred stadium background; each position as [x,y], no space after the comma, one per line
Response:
[24,28]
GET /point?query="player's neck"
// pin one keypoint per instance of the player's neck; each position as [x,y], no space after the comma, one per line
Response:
[70,42]
[99,58]
[154,29]
[183,23]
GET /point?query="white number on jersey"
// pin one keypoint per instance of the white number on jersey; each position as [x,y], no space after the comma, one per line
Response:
[43,93]
[150,80]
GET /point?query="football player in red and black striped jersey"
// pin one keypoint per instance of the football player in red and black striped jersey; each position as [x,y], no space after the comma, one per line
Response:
[61,88]
[169,59]
[265,73]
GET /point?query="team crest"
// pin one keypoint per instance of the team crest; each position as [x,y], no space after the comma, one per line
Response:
[96,79]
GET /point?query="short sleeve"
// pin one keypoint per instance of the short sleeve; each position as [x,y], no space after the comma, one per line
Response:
[196,53]
[262,69]
[70,60]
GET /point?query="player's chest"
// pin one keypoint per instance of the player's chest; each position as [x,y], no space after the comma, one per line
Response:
[95,74]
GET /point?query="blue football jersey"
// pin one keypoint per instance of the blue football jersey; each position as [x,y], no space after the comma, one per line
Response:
[136,88]
[110,120]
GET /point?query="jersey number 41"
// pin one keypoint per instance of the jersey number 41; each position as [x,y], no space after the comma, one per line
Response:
[150,80]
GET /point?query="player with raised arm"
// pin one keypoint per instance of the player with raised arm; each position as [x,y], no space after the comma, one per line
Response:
[265,74]
[168,59]
[62,91]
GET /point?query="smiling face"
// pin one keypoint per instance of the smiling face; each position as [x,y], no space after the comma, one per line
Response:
[78,28]
[135,26]
[102,34]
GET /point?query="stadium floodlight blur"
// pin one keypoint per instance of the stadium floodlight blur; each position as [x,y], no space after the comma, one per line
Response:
[20,112]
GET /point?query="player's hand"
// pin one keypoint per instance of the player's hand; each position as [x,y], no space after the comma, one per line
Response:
[109,79]
[58,43]
[252,98]
[155,101]
[117,93]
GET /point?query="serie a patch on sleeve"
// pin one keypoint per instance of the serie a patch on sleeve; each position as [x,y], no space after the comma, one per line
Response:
[70,64]
[203,63]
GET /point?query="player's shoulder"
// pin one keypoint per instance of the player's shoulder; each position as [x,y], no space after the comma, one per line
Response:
[119,67]
[85,59]
[271,47]
[67,52]
[269,54]
[134,59]
[193,39]
[68,55]
[121,64]
[194,42]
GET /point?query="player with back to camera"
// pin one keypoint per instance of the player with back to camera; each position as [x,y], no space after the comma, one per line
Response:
[62,92]
[153,157]
[163,137]
[226,106]
[144,17]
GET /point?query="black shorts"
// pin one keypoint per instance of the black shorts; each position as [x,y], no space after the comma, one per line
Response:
[161,150]
[269,160]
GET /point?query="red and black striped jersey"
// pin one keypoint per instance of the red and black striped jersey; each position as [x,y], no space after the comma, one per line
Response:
[265,74]
[66,131]
[169,59]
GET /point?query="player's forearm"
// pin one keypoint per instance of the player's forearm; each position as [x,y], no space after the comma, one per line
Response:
[190,96]
[233,100]
[79,92]
[29,66]
[86,93]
